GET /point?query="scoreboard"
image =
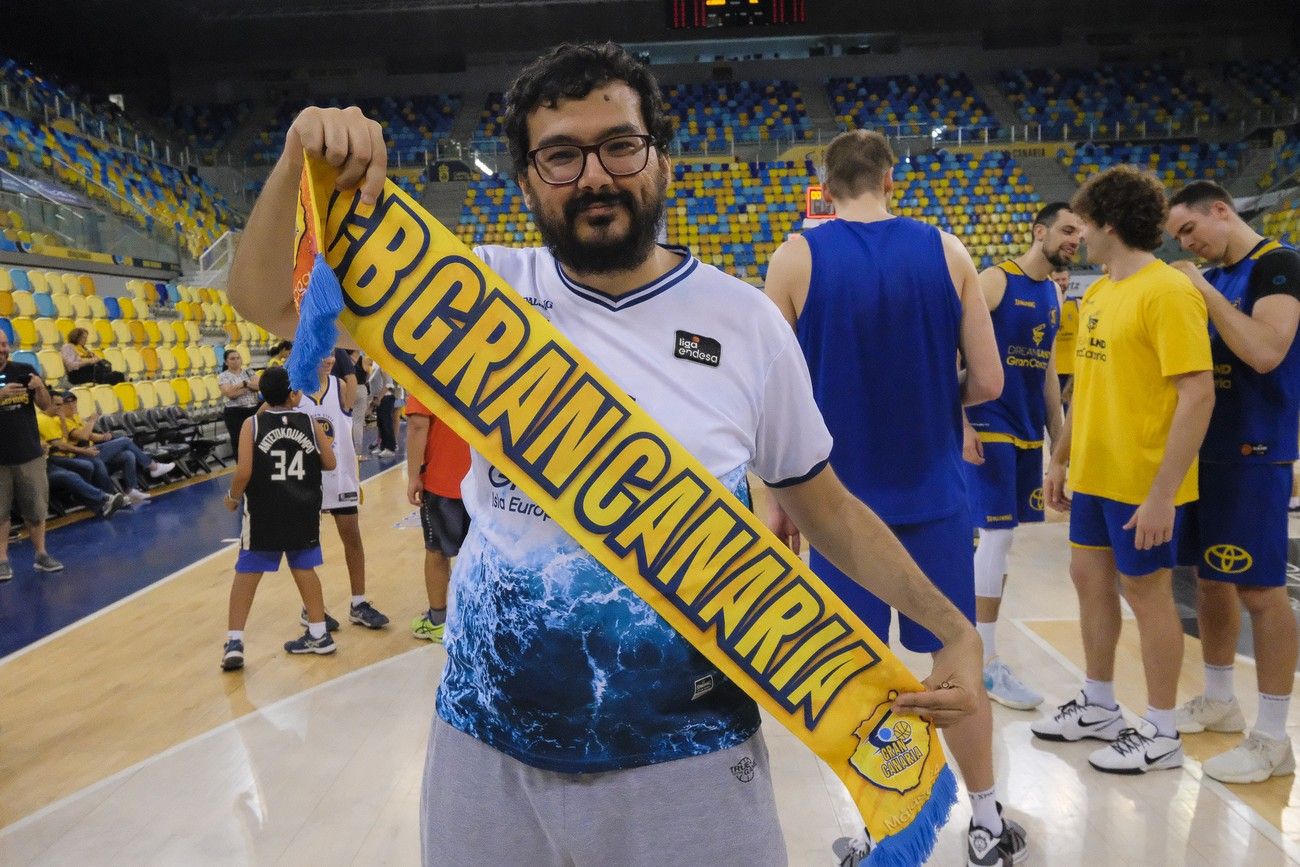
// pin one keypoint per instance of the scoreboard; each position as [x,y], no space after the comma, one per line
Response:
[693,14]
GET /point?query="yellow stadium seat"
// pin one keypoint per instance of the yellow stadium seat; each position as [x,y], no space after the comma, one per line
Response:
[179,330]
[166,394]
[133,361]
[182,388]
[195,354]
[107,400]
[136,288]
[167,333]
[214,387]
[199,390]
[40,283]
[192,331]
[244,353]
[87,284]
[48,332]
[65,326]
[209,356]
[24,305]
[104,330]
[97,308]
[85,398]
[147,394]
[127,306]
[153,333]
[63,305]
[235,333]
[6,282]
[150,357]
[125,394]
[167,361]
[51,365]
[121,332]
[138,334]
[72,284]
[6,302]
[116,357]
[181,357]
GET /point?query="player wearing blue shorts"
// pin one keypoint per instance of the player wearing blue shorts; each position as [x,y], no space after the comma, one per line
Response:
[280,457]
[882,305]
[1004,437]
[1142,400]
[1236,533]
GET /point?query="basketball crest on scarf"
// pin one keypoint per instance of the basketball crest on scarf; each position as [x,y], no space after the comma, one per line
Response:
[517,390]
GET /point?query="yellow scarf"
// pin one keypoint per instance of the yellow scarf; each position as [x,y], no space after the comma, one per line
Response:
[472,350]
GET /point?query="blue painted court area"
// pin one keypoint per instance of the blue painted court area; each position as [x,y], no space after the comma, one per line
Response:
[107,560]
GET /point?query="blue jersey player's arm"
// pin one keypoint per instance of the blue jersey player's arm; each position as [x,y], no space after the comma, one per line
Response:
[1263,337]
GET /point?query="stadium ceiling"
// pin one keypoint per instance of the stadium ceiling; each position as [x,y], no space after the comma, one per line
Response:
[250,10]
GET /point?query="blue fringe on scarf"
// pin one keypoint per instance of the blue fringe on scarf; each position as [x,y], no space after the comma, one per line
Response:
[912,845]
[317,327]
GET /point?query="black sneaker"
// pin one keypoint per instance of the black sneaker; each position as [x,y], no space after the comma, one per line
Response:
[985,850]
[852,851]
[331,625]
[233,657]
[111,505]
[306,644]
[366,615]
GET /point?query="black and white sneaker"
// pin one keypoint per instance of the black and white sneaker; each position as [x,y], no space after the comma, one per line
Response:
[1076,720]
[232,658]
[306,644]
[985,850]
[1139,750]
[851,851]
[368,616]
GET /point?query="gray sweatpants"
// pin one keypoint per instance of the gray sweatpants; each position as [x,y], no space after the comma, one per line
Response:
[483,808]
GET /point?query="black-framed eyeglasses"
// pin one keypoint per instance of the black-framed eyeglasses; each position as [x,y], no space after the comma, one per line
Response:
[621,155]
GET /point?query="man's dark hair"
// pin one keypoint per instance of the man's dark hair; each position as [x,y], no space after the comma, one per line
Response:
[274,385]
[1202,194]
[1047,215]
[1129,200]
[571,72]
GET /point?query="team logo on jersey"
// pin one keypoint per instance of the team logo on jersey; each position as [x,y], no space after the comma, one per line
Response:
[1036,501]
[1051,317]
[327,424]
[693,347]
[743,770]
[1040,330]
[1020,302]
[891,750]
[1092,322]
[1248,449]
[1228,559]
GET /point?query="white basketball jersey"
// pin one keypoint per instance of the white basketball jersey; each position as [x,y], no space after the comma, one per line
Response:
[340,487]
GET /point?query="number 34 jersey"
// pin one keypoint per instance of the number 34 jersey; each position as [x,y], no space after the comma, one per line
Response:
[283,498]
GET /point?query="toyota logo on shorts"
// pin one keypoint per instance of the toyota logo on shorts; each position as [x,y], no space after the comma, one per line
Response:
[1228,559]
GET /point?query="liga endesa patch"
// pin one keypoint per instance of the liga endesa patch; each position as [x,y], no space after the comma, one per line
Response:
[472,350]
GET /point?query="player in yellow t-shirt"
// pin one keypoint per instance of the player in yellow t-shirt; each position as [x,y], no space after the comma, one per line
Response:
[1063,348]
[1143,395]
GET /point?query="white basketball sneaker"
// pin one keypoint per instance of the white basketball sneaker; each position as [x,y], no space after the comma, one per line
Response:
[1139,750]
[1253,760]
[1201,713]
[1076,720]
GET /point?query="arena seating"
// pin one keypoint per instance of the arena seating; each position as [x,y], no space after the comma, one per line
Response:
[148,192]
[921,103]
[1173,162]
[1286,162]
[412,125]
[1268,83]
[708,117]
[1284,223]
[205,128]
[982,199]
[1100,100]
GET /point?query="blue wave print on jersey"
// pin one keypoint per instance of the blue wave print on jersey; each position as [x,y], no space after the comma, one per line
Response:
[563,667]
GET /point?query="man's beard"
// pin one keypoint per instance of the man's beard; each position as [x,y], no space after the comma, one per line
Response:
[610,255]
[1057,260]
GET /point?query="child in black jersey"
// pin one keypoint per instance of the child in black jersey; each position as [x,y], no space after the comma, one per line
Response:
[278,476]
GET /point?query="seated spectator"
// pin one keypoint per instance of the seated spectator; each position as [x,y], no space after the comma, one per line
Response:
[83,364]
[66,481]
[280,353]
[74,444]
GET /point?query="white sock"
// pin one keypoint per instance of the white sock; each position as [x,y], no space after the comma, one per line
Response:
[357,600]
[235,635]
[1100,692]
[1163,720]
[1272,716]
[989,634]
[1218,682]
[316,629]
[984,811]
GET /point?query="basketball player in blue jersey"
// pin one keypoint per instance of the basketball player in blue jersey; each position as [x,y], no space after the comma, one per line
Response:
[574,725]
[280,457]
[1237,532]
[1004,450]
[882,306]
